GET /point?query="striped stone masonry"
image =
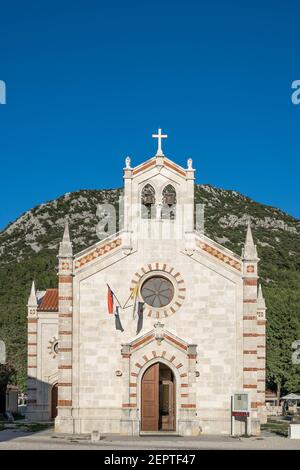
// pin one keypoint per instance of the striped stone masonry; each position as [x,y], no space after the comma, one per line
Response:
[65,329]
[221,256]
[98,252]
[32,323]
[250,339]
[261,355]
[165,162]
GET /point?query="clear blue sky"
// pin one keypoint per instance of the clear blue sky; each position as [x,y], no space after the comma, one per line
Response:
[89,81]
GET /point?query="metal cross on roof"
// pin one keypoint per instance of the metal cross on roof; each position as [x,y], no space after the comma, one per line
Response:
[159,136]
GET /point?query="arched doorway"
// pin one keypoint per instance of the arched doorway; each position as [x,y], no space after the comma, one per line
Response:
[54,398]
[158,400]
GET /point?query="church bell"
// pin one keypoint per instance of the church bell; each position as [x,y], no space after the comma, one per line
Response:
[149,199]
[170,199]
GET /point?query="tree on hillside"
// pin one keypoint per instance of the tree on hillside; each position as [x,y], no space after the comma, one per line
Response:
[282,330]
[7,374]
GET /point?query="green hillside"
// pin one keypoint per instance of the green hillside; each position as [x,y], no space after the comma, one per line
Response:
[28,249]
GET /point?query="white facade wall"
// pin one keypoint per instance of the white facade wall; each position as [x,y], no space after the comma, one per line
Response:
[204,337]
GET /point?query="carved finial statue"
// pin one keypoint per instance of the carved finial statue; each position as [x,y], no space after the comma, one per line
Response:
[159,331]
[127,163]
[190,164]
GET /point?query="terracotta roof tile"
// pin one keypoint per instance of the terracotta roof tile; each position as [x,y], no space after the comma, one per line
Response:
[49,302]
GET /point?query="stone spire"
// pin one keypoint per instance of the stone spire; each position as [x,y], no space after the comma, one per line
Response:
[65,247]
[249,250]
[261,304]
[32,301]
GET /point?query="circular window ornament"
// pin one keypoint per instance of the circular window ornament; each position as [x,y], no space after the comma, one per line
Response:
[157,291]
[53,347]
[161,288]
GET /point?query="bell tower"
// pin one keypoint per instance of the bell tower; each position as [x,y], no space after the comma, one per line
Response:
[159,199]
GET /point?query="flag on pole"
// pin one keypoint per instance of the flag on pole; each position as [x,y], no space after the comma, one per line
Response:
[134,292]
[118,321]
[110,300]
[140,312]
[134,296]
[114,309]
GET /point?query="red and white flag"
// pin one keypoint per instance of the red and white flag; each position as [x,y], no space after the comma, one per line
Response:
[110,300]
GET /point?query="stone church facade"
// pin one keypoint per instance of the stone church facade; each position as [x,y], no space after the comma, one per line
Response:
[203,332]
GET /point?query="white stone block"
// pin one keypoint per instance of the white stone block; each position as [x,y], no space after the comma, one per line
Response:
[294,431]
[95,436]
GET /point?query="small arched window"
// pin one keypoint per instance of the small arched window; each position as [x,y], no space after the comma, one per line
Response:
[148,202]
[169,202]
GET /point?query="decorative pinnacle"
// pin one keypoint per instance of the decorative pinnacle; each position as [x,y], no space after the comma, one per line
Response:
[261,303]
[249,250]
[65,247]
[32,301]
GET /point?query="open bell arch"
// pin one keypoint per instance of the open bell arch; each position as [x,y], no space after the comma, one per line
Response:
[169,201]
[148,200]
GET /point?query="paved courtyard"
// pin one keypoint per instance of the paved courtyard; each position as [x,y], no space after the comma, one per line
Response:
[14,439]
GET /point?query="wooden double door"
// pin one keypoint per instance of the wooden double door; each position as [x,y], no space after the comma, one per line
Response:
[54,400]
[158,399]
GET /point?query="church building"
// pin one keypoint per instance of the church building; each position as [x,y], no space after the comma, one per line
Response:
[152,329]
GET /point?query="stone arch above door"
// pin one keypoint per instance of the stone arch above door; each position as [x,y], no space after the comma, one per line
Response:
[159,345]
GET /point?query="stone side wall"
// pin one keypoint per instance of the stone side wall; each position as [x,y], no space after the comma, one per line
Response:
[42,364]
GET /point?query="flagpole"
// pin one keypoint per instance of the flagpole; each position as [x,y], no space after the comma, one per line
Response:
[134,291]
[117,300]
[124,306]
[134,306]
